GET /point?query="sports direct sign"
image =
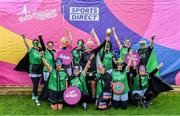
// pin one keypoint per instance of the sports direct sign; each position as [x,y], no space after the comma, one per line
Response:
[84,14]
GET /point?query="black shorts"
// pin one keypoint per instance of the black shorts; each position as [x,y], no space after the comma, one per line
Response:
[35,68]
[91,76]
[84,97]
[56,97]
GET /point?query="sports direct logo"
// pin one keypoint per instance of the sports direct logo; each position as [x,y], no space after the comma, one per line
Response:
[84,14]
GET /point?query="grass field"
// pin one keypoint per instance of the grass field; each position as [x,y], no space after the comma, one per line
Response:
[164,104]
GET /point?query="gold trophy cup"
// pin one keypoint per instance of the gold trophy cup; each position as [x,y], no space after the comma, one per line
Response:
[108,32]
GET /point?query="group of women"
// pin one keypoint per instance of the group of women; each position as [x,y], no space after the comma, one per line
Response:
[100,76]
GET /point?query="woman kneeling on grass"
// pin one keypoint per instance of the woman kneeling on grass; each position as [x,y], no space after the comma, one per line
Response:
[142,94]
[103,88]
[78,79]
[57,83]
[120,75]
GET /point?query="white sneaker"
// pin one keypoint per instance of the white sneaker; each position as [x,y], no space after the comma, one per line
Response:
[37,102]
[33,97]
[84,105]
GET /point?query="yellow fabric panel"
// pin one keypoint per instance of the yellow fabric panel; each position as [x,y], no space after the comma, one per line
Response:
[12,47]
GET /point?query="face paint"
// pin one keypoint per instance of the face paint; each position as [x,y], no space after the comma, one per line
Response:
[142,43]
[119,61]
[76,68]
[127,43]
[35,43]
[142,70]
[80,43]
[59,61]
[120,66]
[108,45]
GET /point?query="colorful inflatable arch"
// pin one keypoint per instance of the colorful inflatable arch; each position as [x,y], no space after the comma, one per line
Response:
[135,19]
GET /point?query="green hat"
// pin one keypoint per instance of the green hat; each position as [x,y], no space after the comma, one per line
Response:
[120,61]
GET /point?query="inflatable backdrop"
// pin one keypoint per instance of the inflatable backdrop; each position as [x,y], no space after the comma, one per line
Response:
[132,18]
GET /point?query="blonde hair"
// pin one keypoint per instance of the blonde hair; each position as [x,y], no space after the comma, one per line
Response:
[63,40]
[89,42]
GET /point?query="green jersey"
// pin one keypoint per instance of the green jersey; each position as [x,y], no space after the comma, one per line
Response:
[77,55]
[123,52]
[103,83]
[118,76]
[99,87]
[34,56]
[106,58]
[141,82]
[57,81]
[49,56]
[79,82]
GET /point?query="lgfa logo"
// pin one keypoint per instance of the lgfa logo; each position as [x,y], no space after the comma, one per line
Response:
[24,11]
[26,14]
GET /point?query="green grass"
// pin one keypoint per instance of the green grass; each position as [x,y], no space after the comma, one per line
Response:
[164,104]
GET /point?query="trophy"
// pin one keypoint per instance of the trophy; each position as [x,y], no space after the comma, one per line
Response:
[108,32]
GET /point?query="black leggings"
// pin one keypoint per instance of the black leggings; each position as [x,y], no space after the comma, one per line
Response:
[122,104]
[148,95]
[45,92]
[84,98]
[35,81]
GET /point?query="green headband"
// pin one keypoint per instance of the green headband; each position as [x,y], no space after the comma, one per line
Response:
[142,43]
[120,61]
